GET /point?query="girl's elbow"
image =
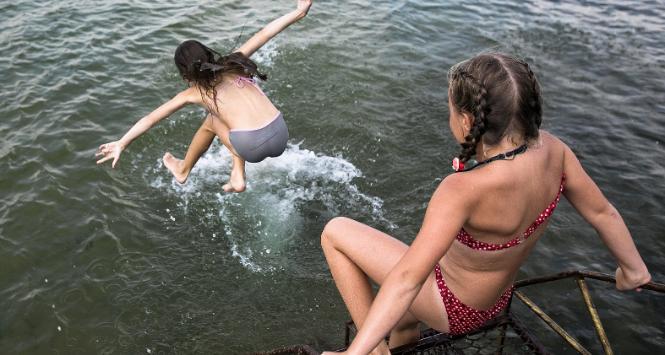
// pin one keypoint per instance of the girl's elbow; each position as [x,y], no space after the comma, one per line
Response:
[610,212]
[604,216]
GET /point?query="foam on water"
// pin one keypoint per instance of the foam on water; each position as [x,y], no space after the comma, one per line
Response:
[263,224]
[266,54]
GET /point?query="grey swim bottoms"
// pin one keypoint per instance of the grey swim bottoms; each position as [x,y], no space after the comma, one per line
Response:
[257,144]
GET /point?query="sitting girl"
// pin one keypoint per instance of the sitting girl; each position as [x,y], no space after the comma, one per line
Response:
[239,113]
[481,223]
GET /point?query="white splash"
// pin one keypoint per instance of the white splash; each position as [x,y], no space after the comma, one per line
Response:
[265,55]
[270,215]
[245,258]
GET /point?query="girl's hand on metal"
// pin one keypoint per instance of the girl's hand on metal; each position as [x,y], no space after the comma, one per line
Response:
[109,151]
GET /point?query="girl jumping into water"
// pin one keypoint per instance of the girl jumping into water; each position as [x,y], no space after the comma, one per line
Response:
[481,223]
[239,113]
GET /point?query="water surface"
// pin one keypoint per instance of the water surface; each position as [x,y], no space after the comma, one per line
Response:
[95,260]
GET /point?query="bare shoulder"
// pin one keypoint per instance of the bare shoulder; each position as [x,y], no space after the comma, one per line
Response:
[558,144]
[191,95]
[452,182]
[461,189]
[549,138]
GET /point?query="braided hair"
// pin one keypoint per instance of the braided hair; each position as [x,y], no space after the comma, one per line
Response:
[206,68]
[502,95]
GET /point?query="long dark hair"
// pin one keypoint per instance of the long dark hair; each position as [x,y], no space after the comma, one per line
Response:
[501,93]
[206,68]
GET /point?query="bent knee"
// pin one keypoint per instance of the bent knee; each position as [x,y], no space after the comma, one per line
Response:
[207,123]
[333,228]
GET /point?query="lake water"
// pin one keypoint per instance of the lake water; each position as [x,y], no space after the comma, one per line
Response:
[126,261]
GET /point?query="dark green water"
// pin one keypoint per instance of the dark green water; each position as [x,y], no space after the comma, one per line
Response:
[125,261]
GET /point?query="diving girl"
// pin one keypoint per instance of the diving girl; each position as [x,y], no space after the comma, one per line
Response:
[239,113]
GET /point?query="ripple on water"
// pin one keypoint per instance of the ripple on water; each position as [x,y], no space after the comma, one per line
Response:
[135,262]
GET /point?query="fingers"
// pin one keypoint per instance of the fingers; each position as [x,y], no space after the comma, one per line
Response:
[107,147]
[115,160]
[103,150]
[104,159]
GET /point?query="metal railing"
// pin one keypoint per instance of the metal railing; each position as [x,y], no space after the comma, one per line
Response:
[580,277]
[433,342]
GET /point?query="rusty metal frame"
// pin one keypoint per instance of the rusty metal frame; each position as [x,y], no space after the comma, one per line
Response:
[431,338]
[509,319]
[580,277]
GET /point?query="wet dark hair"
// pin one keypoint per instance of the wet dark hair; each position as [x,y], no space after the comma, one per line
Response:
[206,68]
[501,93]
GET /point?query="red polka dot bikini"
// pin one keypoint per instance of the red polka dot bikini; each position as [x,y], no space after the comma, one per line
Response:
[462,318]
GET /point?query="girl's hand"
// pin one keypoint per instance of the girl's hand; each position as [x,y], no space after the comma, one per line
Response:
[304,5]
[110,151]
[631,280]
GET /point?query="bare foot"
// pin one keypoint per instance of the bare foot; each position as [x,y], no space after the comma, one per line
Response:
[236,182]
[176,167]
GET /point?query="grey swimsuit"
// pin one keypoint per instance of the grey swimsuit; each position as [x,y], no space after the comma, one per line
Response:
[254,145]
[257,144]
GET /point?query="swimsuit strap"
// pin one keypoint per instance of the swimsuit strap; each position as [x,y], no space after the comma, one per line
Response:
[503,156]
[465,238]
[241,81]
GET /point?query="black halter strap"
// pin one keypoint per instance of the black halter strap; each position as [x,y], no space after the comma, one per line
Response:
[502,156]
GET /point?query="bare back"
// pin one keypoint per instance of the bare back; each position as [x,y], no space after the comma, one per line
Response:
[241,104]
[521,189]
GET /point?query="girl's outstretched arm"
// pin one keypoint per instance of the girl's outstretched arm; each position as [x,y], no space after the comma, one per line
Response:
[112,150]
[275,27]
[590,202]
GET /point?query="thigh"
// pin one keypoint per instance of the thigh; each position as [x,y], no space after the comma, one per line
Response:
[373,251]
[428,306]
[222,131]
[207,124]
[376,253]
[217,125]
[206,130]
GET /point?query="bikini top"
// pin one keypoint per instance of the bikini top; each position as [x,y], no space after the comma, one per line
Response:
[466,239]
[241,81]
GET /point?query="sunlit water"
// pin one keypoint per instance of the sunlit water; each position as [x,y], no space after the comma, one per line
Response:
[95,260]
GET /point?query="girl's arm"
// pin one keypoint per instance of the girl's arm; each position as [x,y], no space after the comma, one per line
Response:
[590,202]
[112,150]
[446,213]
[275,27]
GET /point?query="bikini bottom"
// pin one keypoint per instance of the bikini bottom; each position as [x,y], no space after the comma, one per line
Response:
[462,318]
[254,145]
